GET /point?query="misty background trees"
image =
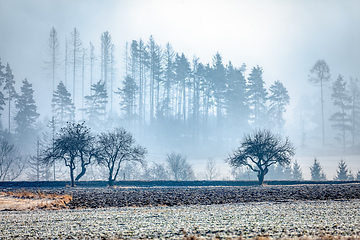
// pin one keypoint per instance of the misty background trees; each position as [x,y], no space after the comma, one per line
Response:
[168,100]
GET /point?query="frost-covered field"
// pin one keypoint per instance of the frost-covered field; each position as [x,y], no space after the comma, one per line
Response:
[273,219]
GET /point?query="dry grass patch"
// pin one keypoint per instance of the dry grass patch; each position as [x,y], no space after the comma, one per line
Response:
[27,200]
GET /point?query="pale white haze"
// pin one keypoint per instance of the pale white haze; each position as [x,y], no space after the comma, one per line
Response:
[285,38]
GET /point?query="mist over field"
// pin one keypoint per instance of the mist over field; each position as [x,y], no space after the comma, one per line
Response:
[184,77]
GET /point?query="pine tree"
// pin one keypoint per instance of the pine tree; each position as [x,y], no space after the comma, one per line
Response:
[182,71]
[2,97]
[106,62]
[96,104]
[128,94]
[206,86]
[105,57]
[62,106]
[316,171]
[9,88]
[236,99]
[279,98]
[82,80]
[138,56]
[169,75]
[155,75]
[342,100]
[92,59]
[112,75]
[76,50]
[320,74]
[296,172]
[342,173]
[196,80]
[257,97]
[219,88]
[354,93]
[357,178]
[26,115]
[54,55]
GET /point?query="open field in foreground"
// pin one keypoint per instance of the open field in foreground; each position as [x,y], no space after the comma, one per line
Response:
[294,219]
[298,211]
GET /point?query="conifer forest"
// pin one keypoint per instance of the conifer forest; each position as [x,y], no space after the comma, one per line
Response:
[178,106]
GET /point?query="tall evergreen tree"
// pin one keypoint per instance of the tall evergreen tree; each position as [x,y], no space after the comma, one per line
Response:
[128,94]
[296,172]
[316,171]
[354,93]
[155,75]
[342,173]
[279,98]
[62,106]
[196,79]
[112,75]
[26,115]
[106,43]
[107,62]
[2,97]
[342,100]
[9,88]
[320,74]
[96,104]
[92,59]
[206,87]
[142,63]
[76,51]
[83,56]
[169,75]
[182,70]
[257,97]
[54,55]
[219,84]
[236,99]
[66,61]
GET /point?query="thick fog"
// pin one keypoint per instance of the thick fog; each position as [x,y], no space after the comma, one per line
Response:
[282,39]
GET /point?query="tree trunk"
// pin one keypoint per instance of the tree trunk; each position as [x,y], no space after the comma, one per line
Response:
[322,113]
[261,177]
[83,170]
[72,176]
[111,182]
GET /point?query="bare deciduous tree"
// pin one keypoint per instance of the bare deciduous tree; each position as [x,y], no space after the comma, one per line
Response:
[73,145]
[11,163]
[157,171]
[211,170]
[116,147]
[179,168]
[260,150]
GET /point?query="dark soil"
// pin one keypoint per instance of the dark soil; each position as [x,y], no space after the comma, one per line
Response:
[101,197]
[172,196]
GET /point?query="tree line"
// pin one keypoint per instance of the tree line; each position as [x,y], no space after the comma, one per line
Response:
[162,96]
[345,97]
[163,91]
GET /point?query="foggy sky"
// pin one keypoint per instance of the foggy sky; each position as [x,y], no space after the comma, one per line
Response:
[284,37]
